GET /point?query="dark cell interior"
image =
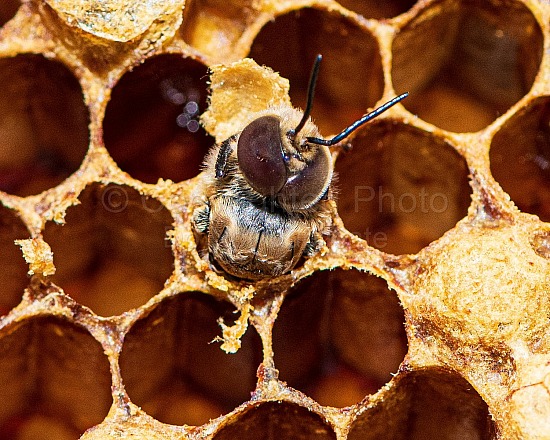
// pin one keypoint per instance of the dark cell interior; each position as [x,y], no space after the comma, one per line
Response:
[280,420]
[13,270]
[55,381]
[112,253]
[151,126]
[465,63]
[400,188]
[339,336]
[43,124]
[378,8]
[350,80]
[520,158]
[8,8]
[423,405]
[172,368]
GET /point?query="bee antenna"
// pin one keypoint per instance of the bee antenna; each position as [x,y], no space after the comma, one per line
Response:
[310,95]
[347,131]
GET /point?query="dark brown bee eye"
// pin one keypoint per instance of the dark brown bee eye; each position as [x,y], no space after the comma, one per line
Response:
[260,155]
[308,186]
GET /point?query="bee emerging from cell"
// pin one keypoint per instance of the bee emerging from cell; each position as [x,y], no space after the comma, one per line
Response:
[269,189]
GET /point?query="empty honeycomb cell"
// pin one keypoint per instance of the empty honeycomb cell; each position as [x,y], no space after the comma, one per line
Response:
[13,270]
[400,188]
[520,158]
[8,9]
[351,78]
[459,352]
[172,368]
[112,253]
[216,26]
[43,124]
[339,336]
[151,123]
[422,405]
[378,8]
[367,324]
[465,63]
[54,380]
[280,420]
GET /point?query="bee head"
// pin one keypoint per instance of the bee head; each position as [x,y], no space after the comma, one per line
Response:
[295,180]
[274,171]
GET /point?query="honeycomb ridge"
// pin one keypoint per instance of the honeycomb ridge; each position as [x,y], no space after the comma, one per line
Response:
[424,316]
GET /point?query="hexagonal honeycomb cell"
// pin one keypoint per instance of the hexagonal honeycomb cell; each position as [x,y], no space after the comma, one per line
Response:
[422,313]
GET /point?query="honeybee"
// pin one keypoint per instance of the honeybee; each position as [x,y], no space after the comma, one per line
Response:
[270,185]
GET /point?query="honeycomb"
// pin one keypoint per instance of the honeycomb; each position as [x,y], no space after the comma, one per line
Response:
[424,315]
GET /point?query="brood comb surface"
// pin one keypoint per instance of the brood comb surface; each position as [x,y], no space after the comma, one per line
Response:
[424,316]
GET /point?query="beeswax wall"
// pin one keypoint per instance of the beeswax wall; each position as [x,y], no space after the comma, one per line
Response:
[424,316]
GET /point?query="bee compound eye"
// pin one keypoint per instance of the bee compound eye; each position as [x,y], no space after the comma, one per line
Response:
[310,184]
[260,155]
